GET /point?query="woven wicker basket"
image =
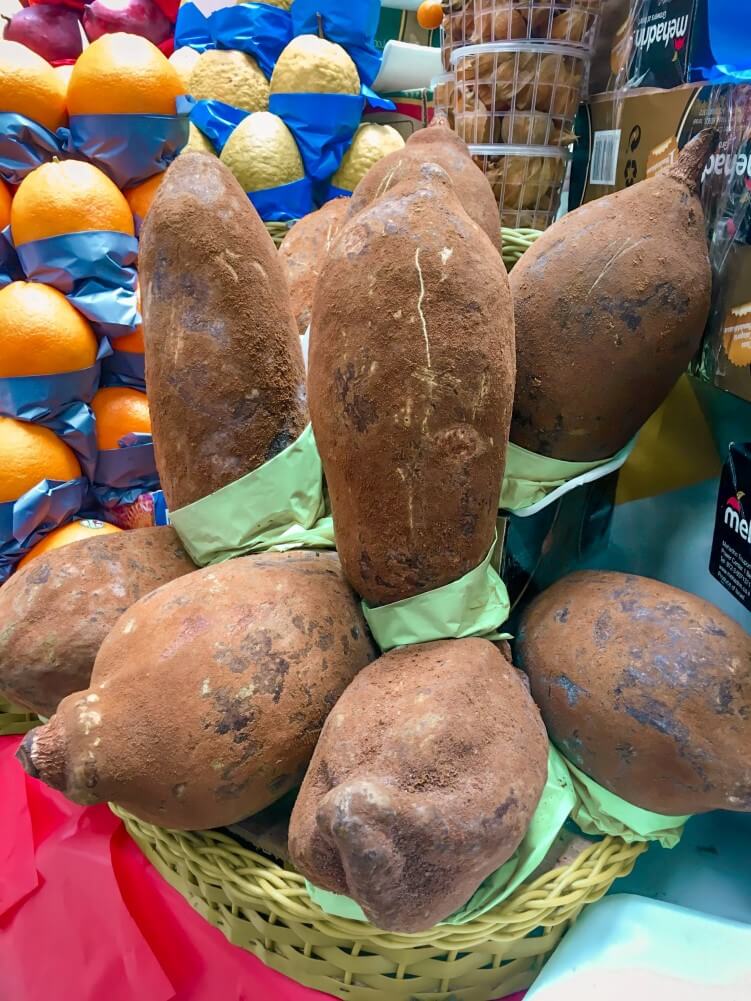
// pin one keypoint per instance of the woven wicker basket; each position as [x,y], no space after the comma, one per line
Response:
[15,719]
[265,909]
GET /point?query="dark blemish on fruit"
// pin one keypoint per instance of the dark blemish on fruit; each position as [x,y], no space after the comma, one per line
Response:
[602,629]
[355,632]
[572,690]
[561,615]
[270,679]
[712,629]
[657,716]
[360,411]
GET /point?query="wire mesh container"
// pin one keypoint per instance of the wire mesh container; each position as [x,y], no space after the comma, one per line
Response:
[510,90]
[479,22]
[526,181]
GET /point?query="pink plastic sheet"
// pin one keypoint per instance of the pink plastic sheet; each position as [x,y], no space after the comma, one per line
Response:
[85,917]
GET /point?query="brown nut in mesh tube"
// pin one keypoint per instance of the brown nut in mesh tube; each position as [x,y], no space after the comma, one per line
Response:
[472,121]
[558,85]
[498,23]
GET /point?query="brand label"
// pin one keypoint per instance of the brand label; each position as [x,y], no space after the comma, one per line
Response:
[730,562]
[660,47]
[663,33]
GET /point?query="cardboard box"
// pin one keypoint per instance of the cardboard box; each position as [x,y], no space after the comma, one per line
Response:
[623,140]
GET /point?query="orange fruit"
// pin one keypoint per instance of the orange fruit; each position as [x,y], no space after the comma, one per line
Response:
[141,196]
[122,74]
[5,200]
[67,196]
[29,86]
[132,343]
[118,411]
[41,333]
[63,536]
[30,453]
[430,14]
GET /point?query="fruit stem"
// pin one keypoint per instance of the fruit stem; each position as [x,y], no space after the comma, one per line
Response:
[693,157]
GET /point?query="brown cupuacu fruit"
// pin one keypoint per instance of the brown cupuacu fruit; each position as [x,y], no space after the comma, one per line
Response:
[435,144]
[225,370]
[56,612]
[424,781]
[645,688]
[411,384]
[207,697]
[610,305]
[304,250]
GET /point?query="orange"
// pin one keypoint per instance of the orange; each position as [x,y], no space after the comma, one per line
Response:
[430,14]
[29,86]
[63,536]
[123,75]
[5,200]
[132,343]
[141,196]
[67,196]
[30,453]
[118,411]
[41,333]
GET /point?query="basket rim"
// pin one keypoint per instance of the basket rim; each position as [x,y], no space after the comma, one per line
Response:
[214,857]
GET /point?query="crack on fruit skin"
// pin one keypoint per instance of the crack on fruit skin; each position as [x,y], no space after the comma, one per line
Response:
[420,312]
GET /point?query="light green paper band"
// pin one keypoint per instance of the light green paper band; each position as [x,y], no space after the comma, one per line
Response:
[475,605]
[555,804]
[278,506]
[530,478]
[567,792]
[599,811]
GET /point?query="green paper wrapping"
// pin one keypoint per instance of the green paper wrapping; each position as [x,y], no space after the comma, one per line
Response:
[567,793]
[530,478]
[599,811]
[555,804]
[276,507]
[475,605]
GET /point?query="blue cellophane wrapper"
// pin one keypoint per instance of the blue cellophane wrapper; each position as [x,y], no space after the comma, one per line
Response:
[95,271]
[329,193]
[123,474]
[130,148]
[192,29]
[10,266]
[124,368]
[25,521]
[353,26]
[24,145]
[284,203]
[215,119]
[60,403]
[259,29]
[40,397]
[323,126]
[724,56]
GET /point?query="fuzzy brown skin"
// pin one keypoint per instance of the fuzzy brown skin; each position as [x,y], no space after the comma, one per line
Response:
[223,360]
[610,305]
[207,698]
[438,143]
[303,252]
[644,687]
[57,611]
[424,781]
[411,383]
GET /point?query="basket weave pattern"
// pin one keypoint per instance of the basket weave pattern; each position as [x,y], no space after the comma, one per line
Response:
[15,719]
[266,910]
